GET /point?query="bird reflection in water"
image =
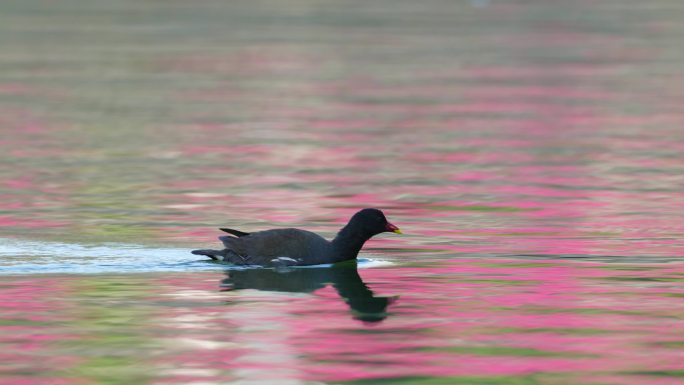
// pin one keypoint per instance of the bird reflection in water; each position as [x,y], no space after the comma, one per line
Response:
[344,277]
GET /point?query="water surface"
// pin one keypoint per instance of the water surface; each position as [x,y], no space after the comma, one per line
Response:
[532,152]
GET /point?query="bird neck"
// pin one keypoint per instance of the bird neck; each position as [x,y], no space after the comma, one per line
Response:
[348,243]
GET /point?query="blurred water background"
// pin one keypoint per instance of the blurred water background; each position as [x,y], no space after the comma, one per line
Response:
[532,151]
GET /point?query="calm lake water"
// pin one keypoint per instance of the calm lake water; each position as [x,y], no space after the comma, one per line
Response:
[532,152]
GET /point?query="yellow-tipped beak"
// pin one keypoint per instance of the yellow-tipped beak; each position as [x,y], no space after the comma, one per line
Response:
[392,228]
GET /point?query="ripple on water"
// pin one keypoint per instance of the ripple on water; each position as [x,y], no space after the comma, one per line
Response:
[38,257]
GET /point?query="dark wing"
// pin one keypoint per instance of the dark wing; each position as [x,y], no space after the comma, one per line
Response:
[237,233]
[261,247]
[289,243]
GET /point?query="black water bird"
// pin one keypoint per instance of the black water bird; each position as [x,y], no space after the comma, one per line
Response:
[296,247]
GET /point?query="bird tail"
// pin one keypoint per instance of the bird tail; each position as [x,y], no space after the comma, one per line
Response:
[237,233]
[213,254]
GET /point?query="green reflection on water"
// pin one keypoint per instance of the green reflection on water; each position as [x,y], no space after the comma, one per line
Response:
[563,331]
[502,351]
[111,322]
[642,279]
[503,209]
[660,373]
[466,380]
[670,344]
[22,322]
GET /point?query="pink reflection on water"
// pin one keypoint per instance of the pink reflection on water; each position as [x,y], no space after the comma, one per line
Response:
[479,318]
[464,318]
[30,327]
[9,221]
